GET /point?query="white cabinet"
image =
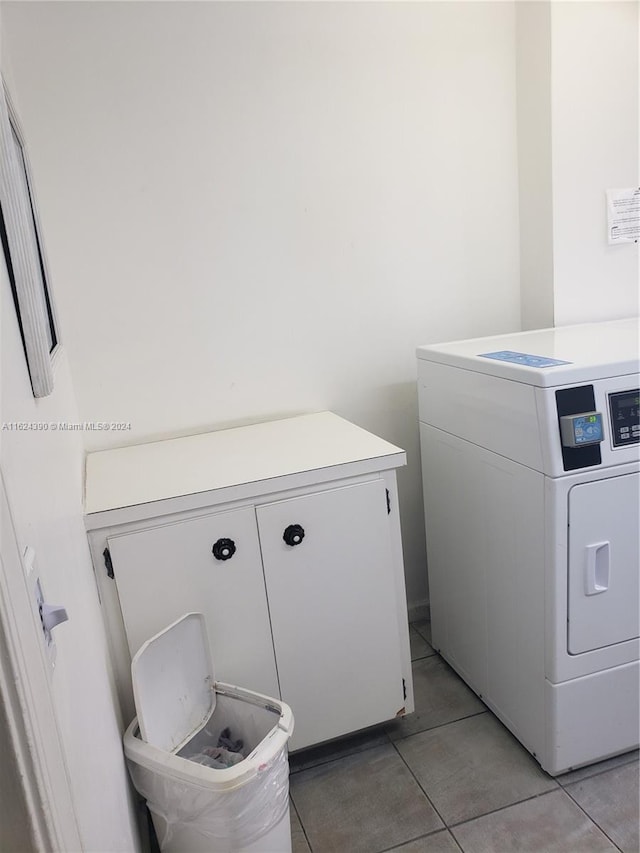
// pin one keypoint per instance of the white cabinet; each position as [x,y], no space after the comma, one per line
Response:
[286,536]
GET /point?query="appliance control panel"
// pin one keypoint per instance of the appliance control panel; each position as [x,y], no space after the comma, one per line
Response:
[581,429]
[624,409]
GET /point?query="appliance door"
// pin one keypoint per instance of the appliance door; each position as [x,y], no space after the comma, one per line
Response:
[604,563]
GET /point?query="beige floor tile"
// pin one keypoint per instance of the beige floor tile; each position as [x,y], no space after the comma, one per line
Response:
[611,800]
[472,767]
[441,697]
[364,803]
[420,648]
[551,823]
[423,626]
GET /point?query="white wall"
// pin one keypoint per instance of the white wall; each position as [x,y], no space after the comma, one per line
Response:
[533,52]
[594,107]
[255,210]
[43,476]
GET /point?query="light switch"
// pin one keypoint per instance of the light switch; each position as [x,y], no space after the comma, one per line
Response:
[50,615]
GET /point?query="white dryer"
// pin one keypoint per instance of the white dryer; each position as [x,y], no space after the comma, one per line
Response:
[531,479]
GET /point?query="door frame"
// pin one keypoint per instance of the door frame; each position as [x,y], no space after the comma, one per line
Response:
[25,690]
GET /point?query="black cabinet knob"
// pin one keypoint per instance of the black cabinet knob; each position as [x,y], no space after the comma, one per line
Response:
[293,534]
[224,549]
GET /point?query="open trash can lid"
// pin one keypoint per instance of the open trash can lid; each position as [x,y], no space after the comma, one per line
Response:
[173,683]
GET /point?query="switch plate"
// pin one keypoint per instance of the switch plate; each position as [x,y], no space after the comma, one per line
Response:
[48,616]
[47,636]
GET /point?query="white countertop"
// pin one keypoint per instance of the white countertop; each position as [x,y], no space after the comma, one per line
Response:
[144,473]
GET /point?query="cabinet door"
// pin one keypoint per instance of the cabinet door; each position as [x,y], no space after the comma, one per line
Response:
[333,609]
[165,572]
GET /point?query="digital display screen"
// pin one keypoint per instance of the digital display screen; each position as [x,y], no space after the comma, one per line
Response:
[624,408]
[627,402]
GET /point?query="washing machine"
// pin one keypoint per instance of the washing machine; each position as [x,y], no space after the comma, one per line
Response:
[530,464]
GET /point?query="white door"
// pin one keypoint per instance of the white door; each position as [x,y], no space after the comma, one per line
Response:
[164,572]
[604,563]
[333,609]
[35,777]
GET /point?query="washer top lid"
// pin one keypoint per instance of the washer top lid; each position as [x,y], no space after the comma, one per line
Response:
[173,683]
[548,357]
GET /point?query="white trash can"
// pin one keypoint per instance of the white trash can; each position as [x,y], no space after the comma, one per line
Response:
[174,757]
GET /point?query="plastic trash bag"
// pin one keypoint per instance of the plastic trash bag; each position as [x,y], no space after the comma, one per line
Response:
[235,817]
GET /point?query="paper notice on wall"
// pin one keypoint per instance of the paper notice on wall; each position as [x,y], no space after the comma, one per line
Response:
[623,215]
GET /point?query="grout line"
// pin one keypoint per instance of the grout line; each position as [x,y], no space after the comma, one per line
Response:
[304,831]
[424,657]
[503,808]
[417,781]
[420,838]
[442,725]
[414,625]
[591,819]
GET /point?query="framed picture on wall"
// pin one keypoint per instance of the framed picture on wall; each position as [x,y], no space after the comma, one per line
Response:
[24,254]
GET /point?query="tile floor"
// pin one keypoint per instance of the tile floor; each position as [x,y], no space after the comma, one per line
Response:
[451,778]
